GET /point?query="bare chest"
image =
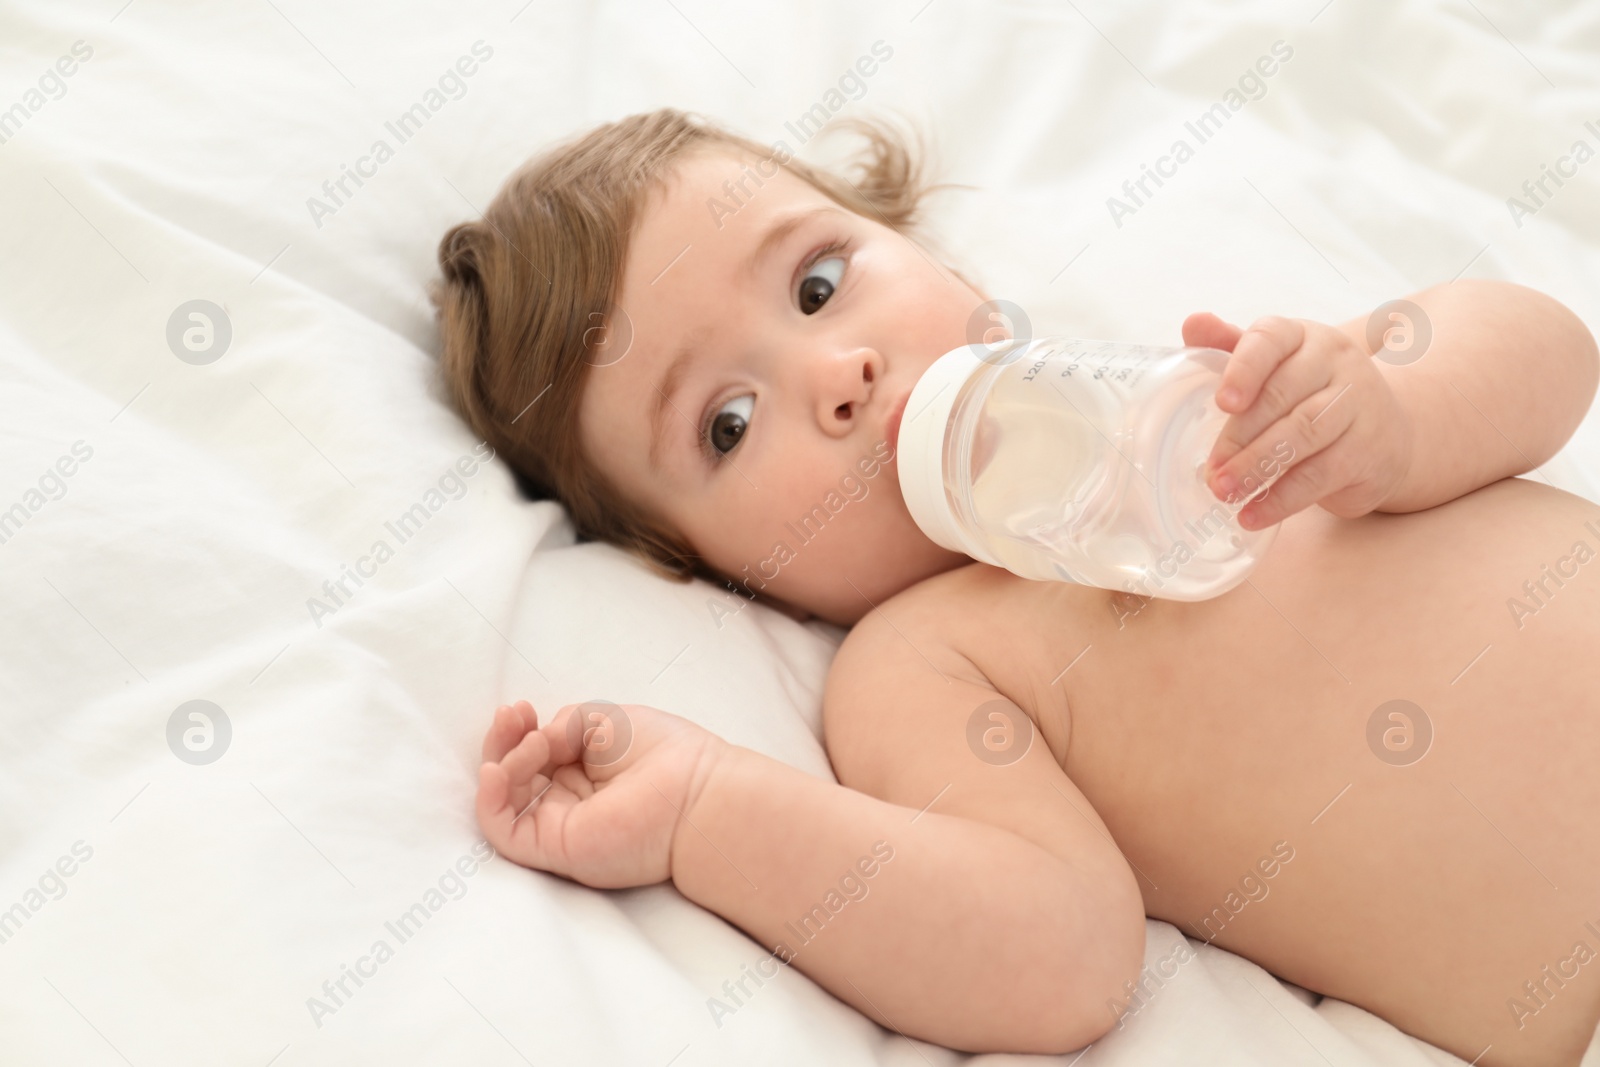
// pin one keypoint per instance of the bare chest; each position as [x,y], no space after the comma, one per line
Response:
[1404,708]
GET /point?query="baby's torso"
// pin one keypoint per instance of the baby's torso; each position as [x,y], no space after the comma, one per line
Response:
[1365,768]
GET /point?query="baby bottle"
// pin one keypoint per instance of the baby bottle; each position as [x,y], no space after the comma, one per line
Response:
[1078,461]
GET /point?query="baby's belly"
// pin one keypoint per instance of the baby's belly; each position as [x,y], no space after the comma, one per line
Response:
[1373,769]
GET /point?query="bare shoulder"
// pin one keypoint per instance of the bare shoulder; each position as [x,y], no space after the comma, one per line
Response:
[948,611]
[1005,635]
[910,718]
[914,636]
[927,625]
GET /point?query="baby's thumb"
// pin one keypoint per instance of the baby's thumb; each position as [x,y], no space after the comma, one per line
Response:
[1205,330]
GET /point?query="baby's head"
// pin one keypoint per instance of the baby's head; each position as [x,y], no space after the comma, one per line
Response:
[695,344]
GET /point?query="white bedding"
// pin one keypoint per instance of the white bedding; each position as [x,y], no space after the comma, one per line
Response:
[208,904]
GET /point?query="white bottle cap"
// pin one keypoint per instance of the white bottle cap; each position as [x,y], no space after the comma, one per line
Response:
[920,446]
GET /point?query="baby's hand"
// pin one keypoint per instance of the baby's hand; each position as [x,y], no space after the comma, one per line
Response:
[1301,395]
[594,795]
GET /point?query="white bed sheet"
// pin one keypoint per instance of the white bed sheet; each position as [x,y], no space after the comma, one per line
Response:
[209,904]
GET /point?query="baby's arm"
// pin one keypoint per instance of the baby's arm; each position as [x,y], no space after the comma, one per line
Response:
[967,934]
[972,907]
[1498,387]
[1507,377]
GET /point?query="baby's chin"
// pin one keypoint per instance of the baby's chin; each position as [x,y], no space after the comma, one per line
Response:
[839,569]
[851,580]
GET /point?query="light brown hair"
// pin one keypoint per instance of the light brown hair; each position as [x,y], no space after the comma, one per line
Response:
[526,286]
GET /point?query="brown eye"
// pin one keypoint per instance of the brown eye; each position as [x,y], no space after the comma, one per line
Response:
[729,423]
[820,280]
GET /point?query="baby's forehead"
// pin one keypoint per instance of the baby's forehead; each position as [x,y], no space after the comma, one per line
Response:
[715,219]
[719,183]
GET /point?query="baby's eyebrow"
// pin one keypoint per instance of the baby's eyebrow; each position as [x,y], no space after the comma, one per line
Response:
[781,229]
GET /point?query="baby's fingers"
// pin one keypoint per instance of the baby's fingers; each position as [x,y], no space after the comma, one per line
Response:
[1279,410]
[1293,442]
[507,728]
[1205,330]
[502,819]
[1304,485]
[1267,343]
[573,778]
[525,762]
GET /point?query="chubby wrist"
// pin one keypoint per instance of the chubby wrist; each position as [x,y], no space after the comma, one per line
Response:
[714,778]
[1403,494]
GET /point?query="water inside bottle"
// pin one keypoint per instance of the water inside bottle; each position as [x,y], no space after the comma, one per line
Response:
[1076,475]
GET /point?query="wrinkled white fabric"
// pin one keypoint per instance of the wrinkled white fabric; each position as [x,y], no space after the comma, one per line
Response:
[185,159]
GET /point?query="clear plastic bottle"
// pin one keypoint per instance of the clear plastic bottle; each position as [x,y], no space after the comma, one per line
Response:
[1080,461]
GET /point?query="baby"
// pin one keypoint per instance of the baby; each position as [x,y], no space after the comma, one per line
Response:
[1370,768]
